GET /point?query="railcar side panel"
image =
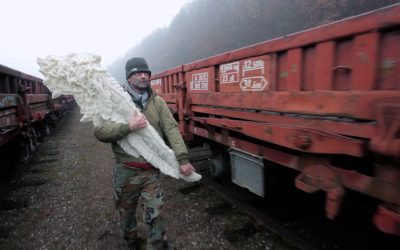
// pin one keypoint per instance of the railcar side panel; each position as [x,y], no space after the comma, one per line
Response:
[323,102]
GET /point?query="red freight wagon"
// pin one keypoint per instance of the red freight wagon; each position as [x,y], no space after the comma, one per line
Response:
[25,112]
[324,102]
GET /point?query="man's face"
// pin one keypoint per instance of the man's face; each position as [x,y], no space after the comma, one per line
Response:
[139,80]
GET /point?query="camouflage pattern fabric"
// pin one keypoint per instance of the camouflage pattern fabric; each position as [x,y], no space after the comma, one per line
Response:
[134,186]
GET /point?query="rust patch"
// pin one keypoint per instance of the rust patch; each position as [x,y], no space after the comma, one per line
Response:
[362,57]
[294,68]
[283,74]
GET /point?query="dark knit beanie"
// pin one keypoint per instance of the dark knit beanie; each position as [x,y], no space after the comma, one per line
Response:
[135,65]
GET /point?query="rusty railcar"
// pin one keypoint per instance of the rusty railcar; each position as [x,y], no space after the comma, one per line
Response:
[26,113]
[324,102]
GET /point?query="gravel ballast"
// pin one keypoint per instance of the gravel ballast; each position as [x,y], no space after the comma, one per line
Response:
[63,199]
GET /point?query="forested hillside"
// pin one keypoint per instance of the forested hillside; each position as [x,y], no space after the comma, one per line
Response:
[208,27]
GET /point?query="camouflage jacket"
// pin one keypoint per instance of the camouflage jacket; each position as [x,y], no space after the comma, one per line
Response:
[160,117]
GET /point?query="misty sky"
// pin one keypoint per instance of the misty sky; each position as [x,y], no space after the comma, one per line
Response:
[37,28]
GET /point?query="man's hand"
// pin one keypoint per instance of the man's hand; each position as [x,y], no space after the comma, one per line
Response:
[186,169]
[137,122]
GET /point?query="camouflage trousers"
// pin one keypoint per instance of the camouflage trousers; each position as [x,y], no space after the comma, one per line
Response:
[138,186]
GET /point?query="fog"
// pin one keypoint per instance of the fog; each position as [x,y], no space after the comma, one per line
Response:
[32,29]
[208,27]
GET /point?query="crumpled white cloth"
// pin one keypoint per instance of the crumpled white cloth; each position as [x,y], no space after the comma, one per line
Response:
[102,99]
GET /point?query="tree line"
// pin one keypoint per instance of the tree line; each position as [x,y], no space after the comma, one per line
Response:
[205,28]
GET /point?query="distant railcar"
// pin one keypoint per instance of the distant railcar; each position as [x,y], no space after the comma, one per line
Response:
[27,113]
[324,102]
[63,104]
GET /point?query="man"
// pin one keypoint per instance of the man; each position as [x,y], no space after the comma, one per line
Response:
[135,177]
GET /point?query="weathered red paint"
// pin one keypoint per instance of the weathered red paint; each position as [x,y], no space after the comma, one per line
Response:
[322,177]
[364,130]
[175,70]
[342,104]
[331,90]
[387,219]
[387,141]
[268,153]
[290,136]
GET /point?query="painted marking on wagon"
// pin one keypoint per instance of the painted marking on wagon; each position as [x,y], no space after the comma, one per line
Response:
[199,81]
[8,100]
[255,83]
[229,73]
[156,84]
[250,65]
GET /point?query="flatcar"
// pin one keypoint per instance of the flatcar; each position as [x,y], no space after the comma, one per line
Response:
[27,113]
[324,102]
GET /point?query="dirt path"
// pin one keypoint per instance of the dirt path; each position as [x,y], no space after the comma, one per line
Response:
[74,208]
[63,199]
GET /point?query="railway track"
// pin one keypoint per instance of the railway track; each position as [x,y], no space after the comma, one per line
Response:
[299,218]
[230,193]
[308,230]
[261,217]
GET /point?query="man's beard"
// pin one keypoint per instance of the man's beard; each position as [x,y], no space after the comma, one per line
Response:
[141,84]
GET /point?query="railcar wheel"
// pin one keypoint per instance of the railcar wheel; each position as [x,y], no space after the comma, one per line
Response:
[44,131]
[35,137]
[31,144]
[47,130]
[25,152]
[219,167]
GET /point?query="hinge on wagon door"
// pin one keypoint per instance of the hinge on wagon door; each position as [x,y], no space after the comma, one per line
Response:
[180,85]
[387,141]
[187,107]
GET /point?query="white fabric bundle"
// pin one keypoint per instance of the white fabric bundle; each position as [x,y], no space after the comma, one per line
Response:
[102,99]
